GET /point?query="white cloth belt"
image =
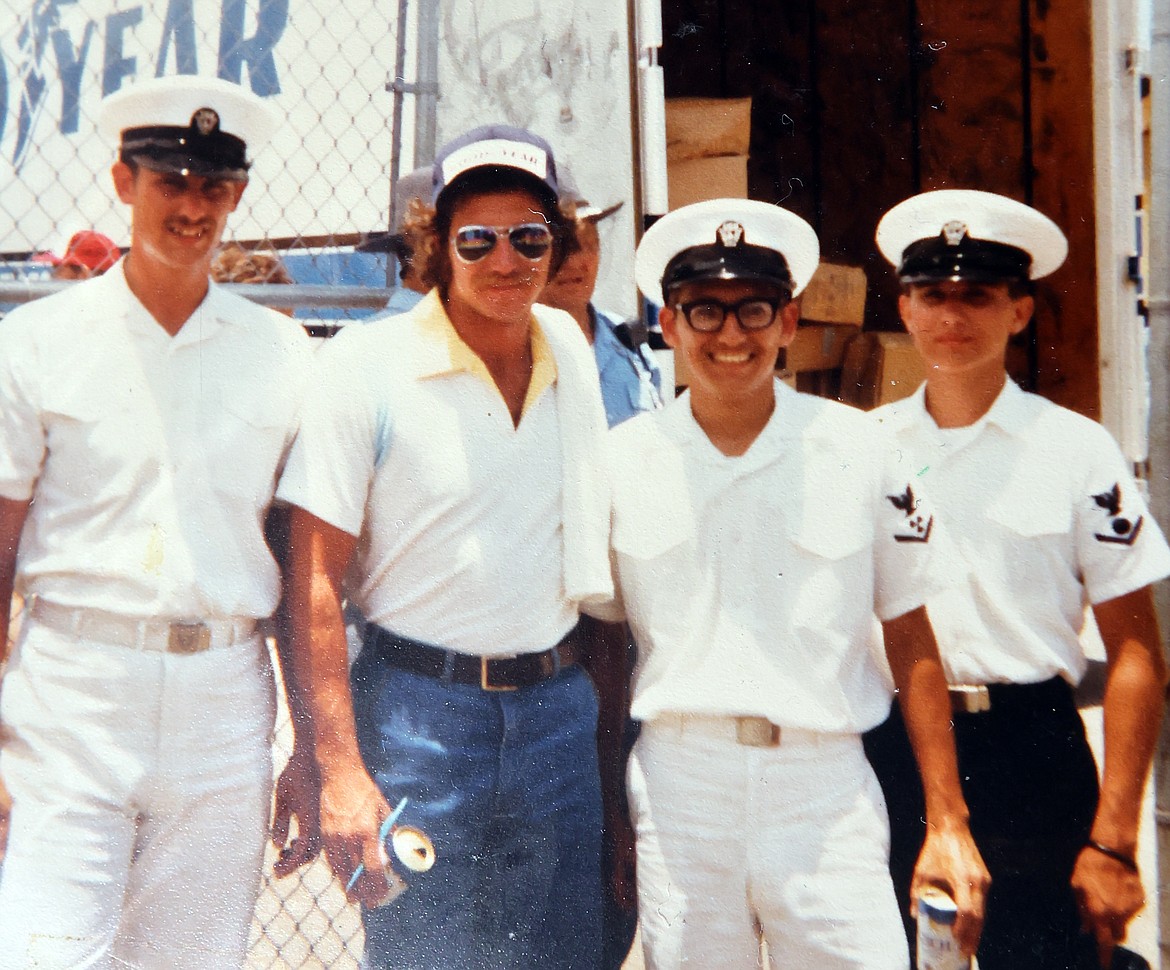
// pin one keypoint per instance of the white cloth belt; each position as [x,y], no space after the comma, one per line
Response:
[138,633]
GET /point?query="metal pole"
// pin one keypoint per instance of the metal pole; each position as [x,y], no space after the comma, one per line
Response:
[1117,159]
[426,88]
[1158,304]
[651,111]
[266,294]
[396,86]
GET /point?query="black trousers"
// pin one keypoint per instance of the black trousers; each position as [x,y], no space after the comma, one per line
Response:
[1031,785]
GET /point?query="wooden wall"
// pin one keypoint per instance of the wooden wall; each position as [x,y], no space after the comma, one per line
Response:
[860,103]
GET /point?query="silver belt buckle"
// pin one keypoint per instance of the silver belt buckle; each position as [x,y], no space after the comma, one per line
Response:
[970,698]
[188,638]
[756,732]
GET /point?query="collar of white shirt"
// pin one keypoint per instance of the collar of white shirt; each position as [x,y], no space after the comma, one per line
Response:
[1011,411]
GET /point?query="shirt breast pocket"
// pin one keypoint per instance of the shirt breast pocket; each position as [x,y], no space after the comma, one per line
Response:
[831,576]
[249,441]
[647,529]
[1032,514]
[835,537]
[94,430]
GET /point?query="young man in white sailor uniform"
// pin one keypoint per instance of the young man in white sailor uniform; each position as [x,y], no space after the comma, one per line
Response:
[756,535]
[144,418]
[1045,518]
[455,457]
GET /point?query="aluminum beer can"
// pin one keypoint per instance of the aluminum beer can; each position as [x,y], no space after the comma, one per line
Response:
[937,947]
[413,851]
[413,848]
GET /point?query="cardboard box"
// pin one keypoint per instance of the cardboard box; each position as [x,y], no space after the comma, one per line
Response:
[835,294]
[707,127]
[698,179]
[817,347]
[880,368]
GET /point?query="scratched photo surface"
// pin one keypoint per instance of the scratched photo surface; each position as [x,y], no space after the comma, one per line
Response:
[833,109]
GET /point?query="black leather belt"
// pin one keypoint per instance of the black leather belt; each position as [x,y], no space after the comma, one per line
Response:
[489,673]
[1053,695]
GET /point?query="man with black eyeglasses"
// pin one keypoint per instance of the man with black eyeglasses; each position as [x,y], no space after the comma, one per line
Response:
[451,462]
[757,533]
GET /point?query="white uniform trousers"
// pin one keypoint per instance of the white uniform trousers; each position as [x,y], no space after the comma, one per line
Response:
[735,843]
[141,787]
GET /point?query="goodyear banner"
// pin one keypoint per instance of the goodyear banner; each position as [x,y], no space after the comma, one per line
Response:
[558,67]
[326,67]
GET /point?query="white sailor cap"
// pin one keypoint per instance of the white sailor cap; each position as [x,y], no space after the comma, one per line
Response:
[187,124]
[726,239]
[964,234]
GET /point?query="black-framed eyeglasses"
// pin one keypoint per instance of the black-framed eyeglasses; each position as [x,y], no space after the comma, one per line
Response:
[530,239]
[753,313]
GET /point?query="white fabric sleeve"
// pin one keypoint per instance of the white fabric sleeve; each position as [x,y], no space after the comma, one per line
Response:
[909,555]
[1120,547]
[332,461]
[23,442]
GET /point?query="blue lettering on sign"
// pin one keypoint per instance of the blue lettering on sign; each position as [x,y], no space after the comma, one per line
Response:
[70,64]
[235,49]
[31,40]
[179,24]
[25,76]
[116,66]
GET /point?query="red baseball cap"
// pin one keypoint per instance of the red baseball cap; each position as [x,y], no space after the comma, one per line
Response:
[87,248]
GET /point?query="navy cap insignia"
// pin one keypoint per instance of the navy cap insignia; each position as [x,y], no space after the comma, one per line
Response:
[915,526]
[954,231]
[1122,530]
[730,233]
[205,121]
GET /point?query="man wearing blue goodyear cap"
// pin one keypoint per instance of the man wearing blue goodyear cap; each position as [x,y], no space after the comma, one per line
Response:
[1045,518]
[450,470]
[144,417]
[756,535]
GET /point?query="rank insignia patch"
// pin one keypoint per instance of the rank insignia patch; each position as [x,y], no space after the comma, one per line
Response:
[1122,530]
[915,527]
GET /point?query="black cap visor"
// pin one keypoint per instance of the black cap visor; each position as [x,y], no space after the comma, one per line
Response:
[383,242]
[715,262]
[173,149]
[978,260]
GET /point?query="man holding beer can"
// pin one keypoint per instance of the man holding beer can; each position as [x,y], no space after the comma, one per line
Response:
[1046,517]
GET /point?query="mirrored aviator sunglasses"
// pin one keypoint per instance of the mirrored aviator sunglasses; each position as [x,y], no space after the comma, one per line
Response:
[530,239]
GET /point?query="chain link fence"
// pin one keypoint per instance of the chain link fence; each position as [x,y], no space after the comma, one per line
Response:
[303,920]
[334,73]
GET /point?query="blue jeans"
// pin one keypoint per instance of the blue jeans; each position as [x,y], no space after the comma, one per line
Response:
[506,786]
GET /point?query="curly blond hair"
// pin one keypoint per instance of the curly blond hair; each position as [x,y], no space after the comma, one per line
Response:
[235,264]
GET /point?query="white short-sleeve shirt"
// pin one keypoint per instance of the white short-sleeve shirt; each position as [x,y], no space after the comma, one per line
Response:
[152,460]
[407,444]
[753,584]
[1044,515]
